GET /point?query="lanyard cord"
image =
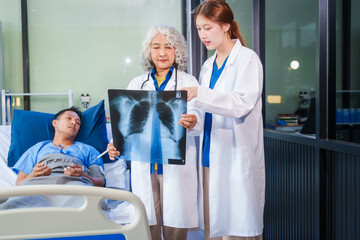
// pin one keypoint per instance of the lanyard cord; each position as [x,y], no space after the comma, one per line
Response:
[148,77]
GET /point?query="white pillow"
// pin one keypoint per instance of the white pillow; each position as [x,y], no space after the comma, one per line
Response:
[7,176]
[5,136]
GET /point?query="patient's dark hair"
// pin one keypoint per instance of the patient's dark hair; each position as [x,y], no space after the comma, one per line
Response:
[72,109]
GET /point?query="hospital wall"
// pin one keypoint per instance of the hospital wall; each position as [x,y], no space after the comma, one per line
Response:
[87,46]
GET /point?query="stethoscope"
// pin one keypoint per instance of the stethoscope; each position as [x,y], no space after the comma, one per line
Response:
[148,78]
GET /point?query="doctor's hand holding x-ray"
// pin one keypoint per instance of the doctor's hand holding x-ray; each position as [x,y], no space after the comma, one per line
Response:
[188,121]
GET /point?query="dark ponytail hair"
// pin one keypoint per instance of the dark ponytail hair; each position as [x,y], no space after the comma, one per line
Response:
[220,12]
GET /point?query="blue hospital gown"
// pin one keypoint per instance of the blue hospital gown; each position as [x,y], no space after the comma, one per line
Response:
[84,152]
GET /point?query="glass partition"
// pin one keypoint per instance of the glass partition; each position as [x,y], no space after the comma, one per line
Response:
[347,71]
[10,20]
[11,68]
[290,70]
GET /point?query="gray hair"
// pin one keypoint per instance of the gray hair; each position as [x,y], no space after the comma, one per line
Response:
[175,39]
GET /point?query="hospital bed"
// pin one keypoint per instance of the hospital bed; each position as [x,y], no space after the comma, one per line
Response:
[127,216]
[59,222]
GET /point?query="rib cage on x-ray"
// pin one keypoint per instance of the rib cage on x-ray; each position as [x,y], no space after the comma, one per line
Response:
[132,124]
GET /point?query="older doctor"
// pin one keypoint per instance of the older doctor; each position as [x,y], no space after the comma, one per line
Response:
[232,141]
[169,192]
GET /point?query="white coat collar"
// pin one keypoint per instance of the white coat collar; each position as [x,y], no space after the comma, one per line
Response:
[233,53]
[209,63]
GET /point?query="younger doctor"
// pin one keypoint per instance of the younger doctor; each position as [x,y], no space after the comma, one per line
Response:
[232,142]
[169,192]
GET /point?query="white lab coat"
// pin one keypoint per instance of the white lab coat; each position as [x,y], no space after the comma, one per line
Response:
[179,181]
[237,171]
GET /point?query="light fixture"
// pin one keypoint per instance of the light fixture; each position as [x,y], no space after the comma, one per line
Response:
[274,99]
[17,102]
[294,65]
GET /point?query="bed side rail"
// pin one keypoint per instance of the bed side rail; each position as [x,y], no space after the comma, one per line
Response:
[49,222]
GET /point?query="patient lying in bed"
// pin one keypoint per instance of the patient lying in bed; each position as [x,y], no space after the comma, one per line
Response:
[60,161]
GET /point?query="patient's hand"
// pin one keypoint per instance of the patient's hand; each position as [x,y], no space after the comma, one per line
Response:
[74,170]
[188,121]
[77,171]
[40,170]
[112,151]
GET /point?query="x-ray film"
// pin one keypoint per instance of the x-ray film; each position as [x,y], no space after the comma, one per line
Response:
[145,125]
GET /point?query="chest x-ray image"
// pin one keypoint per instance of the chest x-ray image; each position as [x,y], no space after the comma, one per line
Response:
[145,125]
